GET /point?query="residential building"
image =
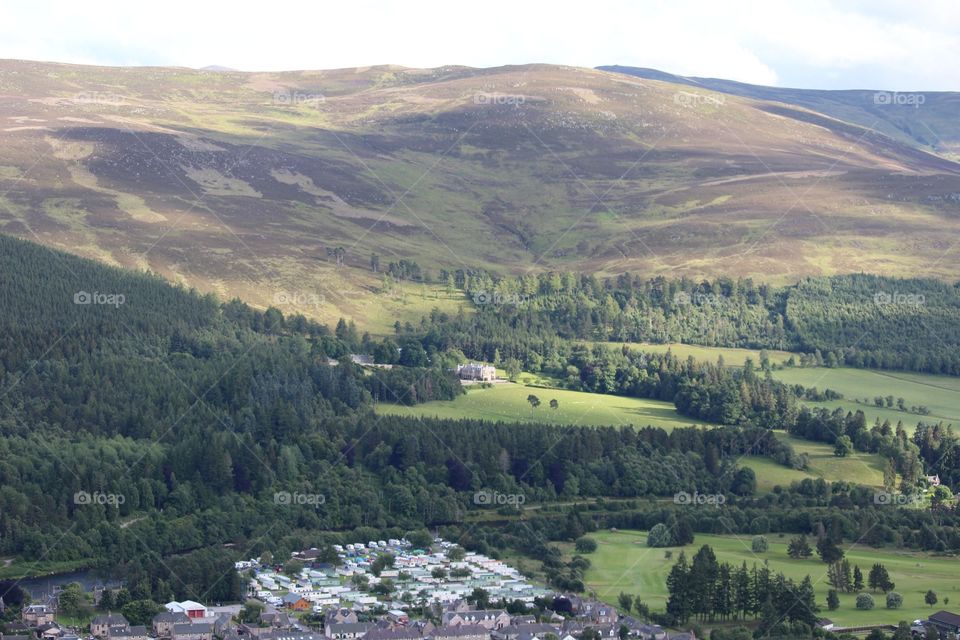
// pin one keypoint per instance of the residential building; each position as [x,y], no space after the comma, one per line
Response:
[193,631]
[163,623]
[462,632]
[945,622]
[101,624]
[341,615]
[348,630]
[138,632]
[296,602]
[35,615]
[488,618]
[477,371]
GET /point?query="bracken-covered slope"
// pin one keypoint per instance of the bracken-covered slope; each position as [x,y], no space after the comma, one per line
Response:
[242,183]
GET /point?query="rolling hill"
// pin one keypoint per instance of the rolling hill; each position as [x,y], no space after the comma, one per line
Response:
[926,119]
[247,183]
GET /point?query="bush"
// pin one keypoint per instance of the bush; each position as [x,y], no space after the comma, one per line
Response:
[659,536]
[865,602]
[586,545]
[894,600]
[759,544]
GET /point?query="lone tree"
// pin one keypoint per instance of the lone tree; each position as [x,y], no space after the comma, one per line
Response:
[799,548]
[833,600]
[930,598]
[894,600]
[865,602]
[625,600]
[533,400]
[759,544]
[659,536]
[554,404]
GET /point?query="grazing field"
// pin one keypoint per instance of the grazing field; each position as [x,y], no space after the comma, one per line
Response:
[623,562]
[508,402]
[941,394]
[861,468]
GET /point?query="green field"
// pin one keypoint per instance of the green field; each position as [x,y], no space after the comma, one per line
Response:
[623,562]
[861,468]
[508,402]
[940,393]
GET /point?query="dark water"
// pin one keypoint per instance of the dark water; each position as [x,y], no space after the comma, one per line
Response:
[38,588]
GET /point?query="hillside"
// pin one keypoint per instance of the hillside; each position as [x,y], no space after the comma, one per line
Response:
[926,119]
[247,183]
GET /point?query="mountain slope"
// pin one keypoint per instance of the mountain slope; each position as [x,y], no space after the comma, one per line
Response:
[926,119]
[245,183]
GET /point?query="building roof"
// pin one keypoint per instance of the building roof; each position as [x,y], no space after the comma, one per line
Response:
[392,634]
[188,628]
[459,631]
[350,627]
[946,618]
[177,617]
[110,619]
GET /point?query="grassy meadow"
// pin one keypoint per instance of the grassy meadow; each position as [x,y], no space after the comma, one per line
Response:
[507,402]
[623,562]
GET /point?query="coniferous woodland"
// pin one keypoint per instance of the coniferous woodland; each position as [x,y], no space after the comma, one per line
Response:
[162,434]
[857,320]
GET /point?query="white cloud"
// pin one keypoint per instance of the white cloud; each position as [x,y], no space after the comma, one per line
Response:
[826,43]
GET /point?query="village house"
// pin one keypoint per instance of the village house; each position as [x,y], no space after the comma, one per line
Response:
[35,615]
[296,602]
[128,633]
[515,631]
[477,371]
[49,631]
[945,622]
[462,632]
[192,631]
[399,633]
[348,630]
[490,619]
[292,635]
[163,623]
[276,619]
[341,615]
[101,625]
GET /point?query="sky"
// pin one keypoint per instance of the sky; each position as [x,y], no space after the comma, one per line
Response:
[822,44]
